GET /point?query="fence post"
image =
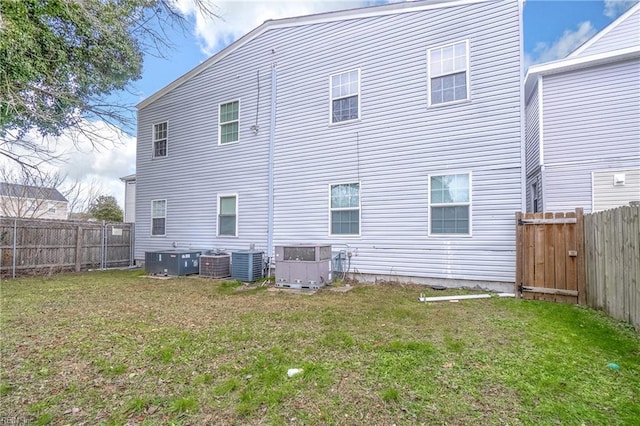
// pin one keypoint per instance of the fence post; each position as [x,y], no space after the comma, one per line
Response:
[15,244]
[582,300]
[102,248]
[132,239]
[79,248]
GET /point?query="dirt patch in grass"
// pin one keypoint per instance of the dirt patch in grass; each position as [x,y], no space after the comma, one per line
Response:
[116,348]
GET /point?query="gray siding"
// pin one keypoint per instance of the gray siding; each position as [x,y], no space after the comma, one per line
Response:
[590,123]
[624,35]
[391,151]
[532,141]
[592,114]
[570,185]
[607,195]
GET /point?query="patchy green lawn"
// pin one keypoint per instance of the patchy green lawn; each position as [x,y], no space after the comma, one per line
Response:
[116,348]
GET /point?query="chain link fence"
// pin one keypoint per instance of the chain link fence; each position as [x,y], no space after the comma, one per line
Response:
[37,246]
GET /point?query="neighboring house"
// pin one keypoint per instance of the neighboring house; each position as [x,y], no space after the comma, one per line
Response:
[394,132]
[583,123]
[32,202]
[129,198]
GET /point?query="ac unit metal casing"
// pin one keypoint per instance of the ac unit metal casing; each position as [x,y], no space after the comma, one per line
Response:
[305,266]
[215,265]
[171,262]
[246,265]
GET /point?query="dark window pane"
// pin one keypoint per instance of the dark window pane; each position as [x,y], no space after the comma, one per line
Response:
[345,109]
[157,227]
[227,225]
[345,222]
[450,220]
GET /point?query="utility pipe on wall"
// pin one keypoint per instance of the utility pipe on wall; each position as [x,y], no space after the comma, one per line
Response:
[272,136]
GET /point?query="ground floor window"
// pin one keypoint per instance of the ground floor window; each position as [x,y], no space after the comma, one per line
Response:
[450,204]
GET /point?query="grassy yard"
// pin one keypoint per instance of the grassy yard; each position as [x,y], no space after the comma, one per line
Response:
[116,348]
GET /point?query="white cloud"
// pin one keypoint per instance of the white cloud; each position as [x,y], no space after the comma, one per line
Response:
[241,16]
[111,155]
[615,8]
[560,48]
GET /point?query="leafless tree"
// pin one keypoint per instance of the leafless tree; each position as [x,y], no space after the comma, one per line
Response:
[30,193]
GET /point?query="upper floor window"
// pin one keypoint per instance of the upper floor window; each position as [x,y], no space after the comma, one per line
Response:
[228,215]
[345,96]
[158,217]
[228,119]
[160,139]
[450,204]
[345,209]
[449,73]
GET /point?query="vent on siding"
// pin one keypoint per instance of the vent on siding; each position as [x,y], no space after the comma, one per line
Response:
[215,266]
[246,265]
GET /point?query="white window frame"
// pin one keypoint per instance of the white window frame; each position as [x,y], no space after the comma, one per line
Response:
[331,98]
[235,233]
[153,217]
[534,197]
[330,233]
[469,203]
[154,140]
[220,123]
[467,73]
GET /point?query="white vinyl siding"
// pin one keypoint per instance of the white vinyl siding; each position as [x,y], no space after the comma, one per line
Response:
[345,96]
[449,73]
[609,192]
[160,133]
[450,204]
[229,119]
[397,143]
[228,215]
[158,217]
[345,209]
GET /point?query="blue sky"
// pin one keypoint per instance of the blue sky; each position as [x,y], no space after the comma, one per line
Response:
[552,29]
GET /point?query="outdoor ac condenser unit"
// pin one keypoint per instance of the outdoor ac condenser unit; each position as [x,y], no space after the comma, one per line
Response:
[301,266]
[171,262]
[215,265]
[246,265]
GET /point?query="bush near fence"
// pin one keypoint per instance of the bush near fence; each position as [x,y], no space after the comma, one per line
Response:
[612,262]
[37,246]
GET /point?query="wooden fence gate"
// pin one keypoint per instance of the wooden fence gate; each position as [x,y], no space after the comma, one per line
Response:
[550,256]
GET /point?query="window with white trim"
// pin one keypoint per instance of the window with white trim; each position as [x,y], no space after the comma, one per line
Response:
[345,209]
[448,73]
[345,96]
[158,217]
[228,215]
[450,204]
[160,140]
[229,122]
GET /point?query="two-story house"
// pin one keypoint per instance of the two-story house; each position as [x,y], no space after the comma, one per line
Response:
[583,123]
[30,201]
[391,131]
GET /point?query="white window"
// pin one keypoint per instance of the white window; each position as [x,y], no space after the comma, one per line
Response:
[345,96]
[449,73]
[158,217]
[160,140]
[450,204]
[228,215]
[229,121]
[345,209]
[534,197]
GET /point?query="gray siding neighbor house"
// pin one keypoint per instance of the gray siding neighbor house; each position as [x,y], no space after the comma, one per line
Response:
[393,132]
[583,123]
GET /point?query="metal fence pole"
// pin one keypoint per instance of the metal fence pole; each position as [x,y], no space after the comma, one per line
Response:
[132,240]
[15,237]
[102,234]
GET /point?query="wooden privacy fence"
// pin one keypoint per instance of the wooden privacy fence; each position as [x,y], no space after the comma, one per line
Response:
[32,246]
[592,260]
[550,256]
[612,248]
